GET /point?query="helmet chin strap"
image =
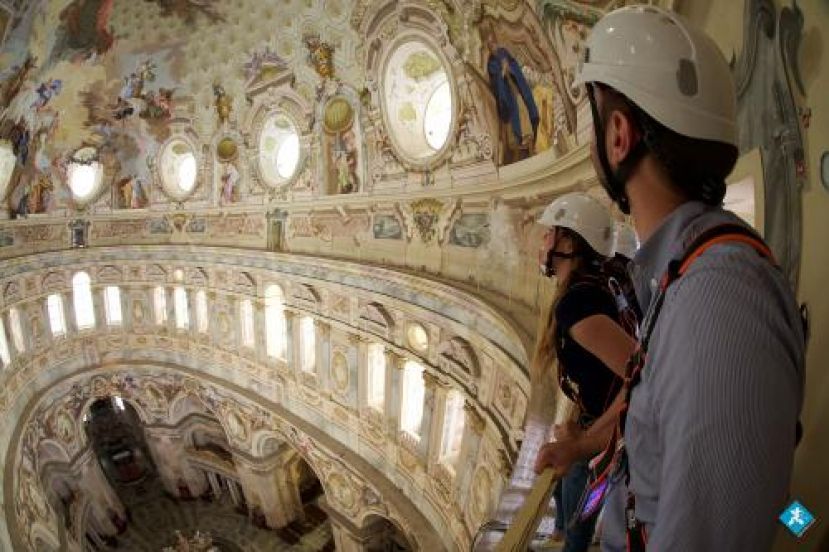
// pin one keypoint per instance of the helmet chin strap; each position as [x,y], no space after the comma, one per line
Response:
[613,181]
[547,269]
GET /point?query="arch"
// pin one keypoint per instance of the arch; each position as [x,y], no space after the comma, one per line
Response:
[266,443]
[459,351]
[82,300]
[43,538]
[11,293]
[108,274]
[52,451]
[54,281]
[186,404]
[378,525]
[376,319]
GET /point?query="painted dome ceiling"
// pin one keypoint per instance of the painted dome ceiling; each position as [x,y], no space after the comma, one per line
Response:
[352,94]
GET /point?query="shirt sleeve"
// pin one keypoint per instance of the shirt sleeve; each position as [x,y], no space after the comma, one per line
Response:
[728,390]
[581,301]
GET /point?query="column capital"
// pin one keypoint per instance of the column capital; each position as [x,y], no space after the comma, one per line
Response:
[395,359]
[476,421]
[322,326]
[355,339]
[430,380]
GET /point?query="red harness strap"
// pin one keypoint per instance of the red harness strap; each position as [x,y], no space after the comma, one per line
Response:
[613,461]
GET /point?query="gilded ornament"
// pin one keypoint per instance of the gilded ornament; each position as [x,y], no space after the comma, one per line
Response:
[338,115]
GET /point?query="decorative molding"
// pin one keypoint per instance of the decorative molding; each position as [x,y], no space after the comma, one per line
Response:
[768,118]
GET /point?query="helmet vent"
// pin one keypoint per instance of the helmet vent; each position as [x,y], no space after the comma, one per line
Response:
[686,77]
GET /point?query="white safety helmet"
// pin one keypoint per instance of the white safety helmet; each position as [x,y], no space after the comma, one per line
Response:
[584,215]
[674,72]
[625,242]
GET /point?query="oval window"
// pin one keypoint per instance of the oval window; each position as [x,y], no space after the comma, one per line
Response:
[279,151]
[7,163]
[418,338]
[84,174]
[419,106]
[179,168]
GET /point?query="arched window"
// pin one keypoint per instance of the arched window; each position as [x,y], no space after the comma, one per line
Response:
[275,321]
[453,423]
[112,305]
[414,391]
[82,300]
[180,306]
[307,335]
[17,330]
[246,318]
[5,355]
[160,305]
[376,392]
[57,321]
[201,311]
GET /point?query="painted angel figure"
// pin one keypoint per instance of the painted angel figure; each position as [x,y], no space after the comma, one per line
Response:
[224,104]
[46,91]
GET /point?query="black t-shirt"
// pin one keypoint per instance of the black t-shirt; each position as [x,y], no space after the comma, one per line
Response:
[592,385]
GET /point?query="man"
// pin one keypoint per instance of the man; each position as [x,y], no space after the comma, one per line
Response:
[710,425]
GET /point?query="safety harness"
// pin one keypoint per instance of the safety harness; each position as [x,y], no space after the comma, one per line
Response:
[611,466]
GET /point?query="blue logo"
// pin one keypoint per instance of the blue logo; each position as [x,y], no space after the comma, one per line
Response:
[797,518]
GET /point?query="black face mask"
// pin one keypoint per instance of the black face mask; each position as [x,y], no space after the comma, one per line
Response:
[548,268]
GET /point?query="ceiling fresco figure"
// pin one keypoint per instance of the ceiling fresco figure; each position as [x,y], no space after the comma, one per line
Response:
[84,32]
[517,109]
[188,9]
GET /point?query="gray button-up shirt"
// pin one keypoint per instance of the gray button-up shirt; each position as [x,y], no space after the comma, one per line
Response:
[710,432]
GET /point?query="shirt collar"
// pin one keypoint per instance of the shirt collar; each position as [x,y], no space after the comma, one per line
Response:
[651,261]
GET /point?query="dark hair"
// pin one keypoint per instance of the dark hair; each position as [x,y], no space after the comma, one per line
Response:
[697,167]
[586,264]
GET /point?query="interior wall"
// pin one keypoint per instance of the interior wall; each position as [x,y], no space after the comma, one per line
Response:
[811,479]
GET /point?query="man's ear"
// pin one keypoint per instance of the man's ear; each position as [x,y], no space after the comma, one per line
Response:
[621,137]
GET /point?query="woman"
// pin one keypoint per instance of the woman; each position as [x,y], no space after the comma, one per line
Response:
[583,334]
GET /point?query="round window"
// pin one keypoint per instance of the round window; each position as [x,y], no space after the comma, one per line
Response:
[279,151]
[418,338]
[419,106]
[84,174]
[179,169]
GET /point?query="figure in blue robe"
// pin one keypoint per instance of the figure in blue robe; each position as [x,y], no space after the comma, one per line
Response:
[504,71]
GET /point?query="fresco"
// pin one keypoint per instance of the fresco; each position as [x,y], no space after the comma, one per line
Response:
[387,227]
[470,230]
[124,76]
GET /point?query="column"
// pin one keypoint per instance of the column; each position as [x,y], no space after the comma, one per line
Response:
[437,411]
[168,455]
[292,341]
[347,536]
[360,344]
[473,433]
[394,392]
[260,330]
[235,497]
[322,343]
[215,486]
[104,500]
[430,416]
[267,484]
